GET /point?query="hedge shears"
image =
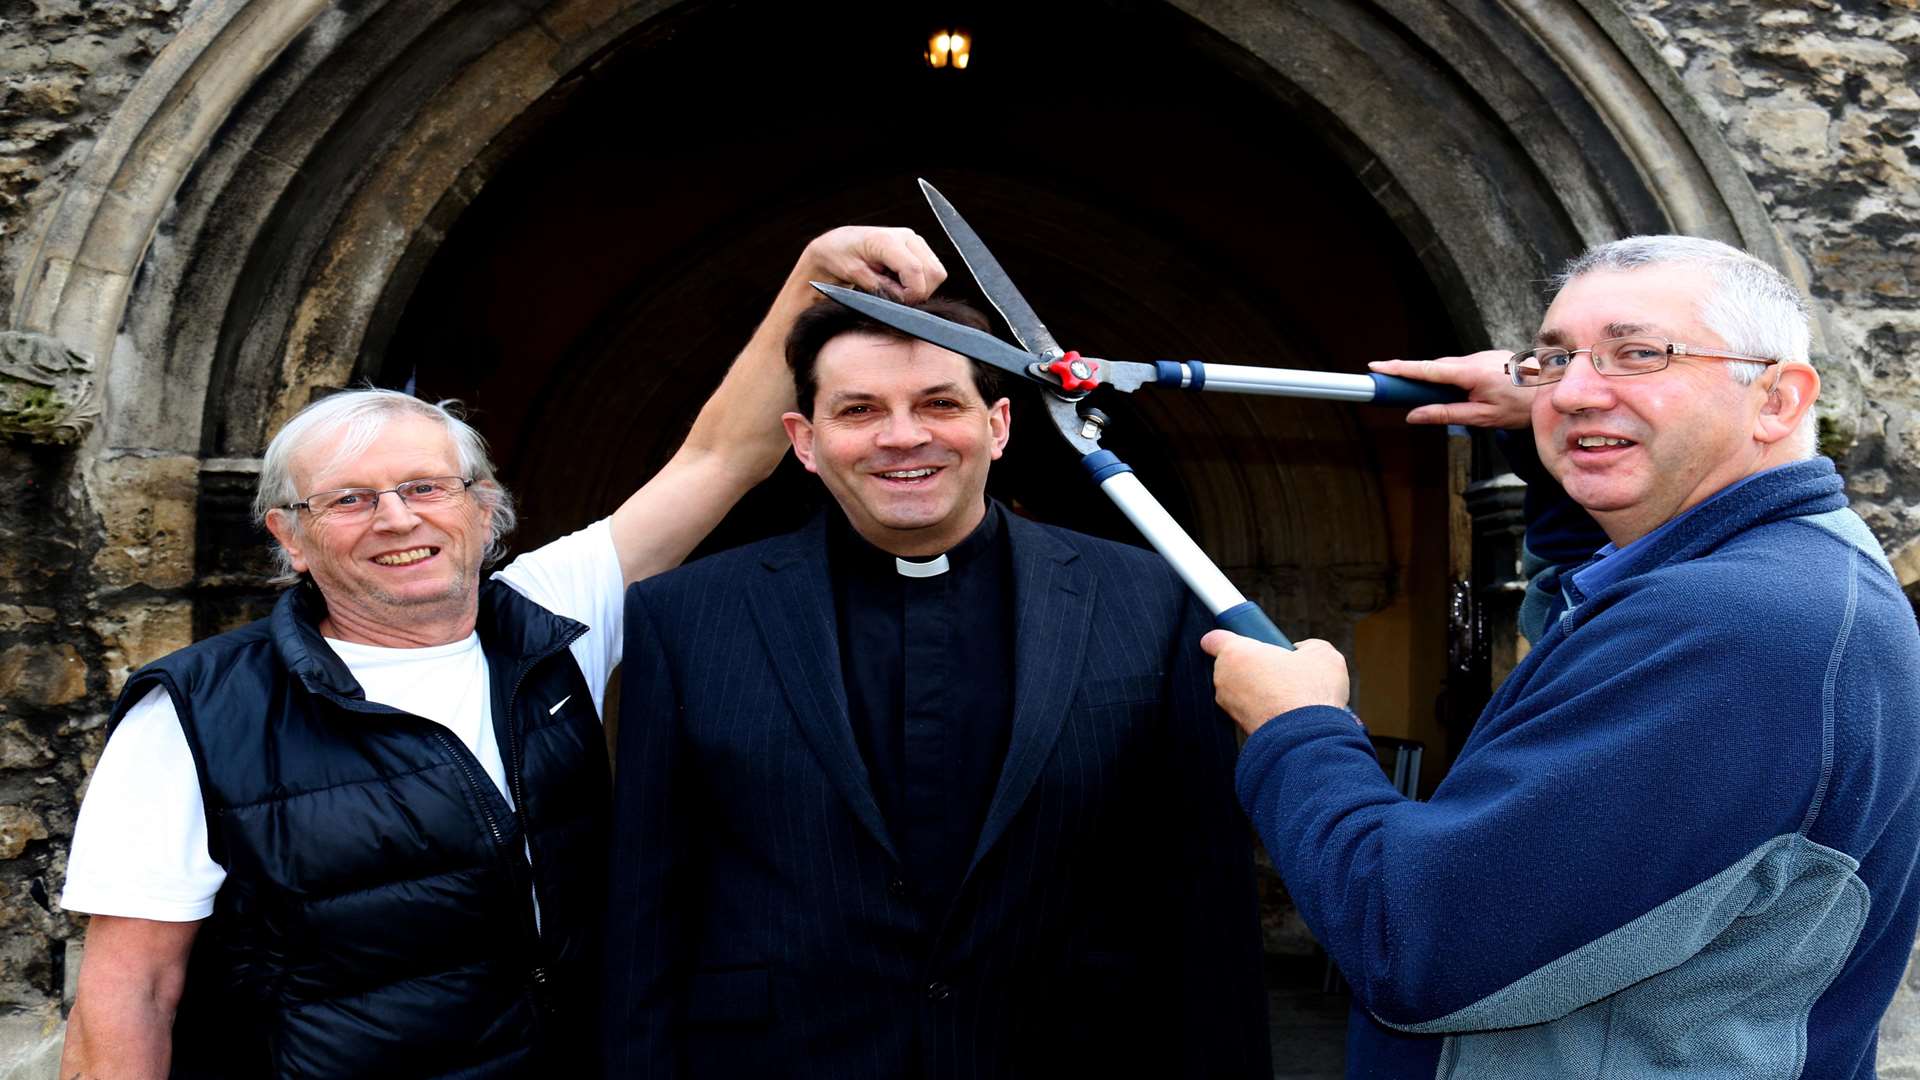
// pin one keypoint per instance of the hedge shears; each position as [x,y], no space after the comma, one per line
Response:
[1067,379]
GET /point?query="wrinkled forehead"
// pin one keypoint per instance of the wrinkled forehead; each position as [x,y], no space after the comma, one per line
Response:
[374,451]
[1661,301]
[1564,339]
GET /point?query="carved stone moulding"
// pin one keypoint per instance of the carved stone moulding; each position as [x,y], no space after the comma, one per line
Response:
[47,390]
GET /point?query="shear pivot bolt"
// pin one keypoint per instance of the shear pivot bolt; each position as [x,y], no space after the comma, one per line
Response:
[1092,424]
[1075,372]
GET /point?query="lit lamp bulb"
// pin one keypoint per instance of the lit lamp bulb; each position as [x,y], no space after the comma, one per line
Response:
[949,47]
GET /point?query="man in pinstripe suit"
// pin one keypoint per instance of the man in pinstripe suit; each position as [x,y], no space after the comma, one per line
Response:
[924,789]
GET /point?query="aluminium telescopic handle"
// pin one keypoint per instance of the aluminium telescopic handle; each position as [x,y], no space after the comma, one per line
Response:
[1231,610]
[1295,382]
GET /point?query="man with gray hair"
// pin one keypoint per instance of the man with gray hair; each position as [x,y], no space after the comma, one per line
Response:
[1681,839]
[367,835]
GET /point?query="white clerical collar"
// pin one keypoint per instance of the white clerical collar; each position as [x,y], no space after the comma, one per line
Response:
[933,567]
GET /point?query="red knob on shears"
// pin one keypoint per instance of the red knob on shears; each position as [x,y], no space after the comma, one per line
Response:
[1076,373]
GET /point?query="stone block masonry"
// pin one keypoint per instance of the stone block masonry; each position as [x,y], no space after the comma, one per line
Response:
[1818,100]
[78,605]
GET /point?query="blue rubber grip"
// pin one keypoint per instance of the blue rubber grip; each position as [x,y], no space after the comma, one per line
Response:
[1388,390]
[1102,463]
[1247,620]
[1173,372]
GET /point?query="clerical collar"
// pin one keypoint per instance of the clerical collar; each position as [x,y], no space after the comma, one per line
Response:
[870,559]
[933,567]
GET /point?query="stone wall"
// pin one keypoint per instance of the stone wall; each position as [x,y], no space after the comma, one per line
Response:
[64,64]
[1817,98]
[76,613]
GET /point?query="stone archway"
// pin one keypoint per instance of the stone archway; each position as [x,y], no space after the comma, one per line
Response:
[303,160]
[596,288]
[253,222]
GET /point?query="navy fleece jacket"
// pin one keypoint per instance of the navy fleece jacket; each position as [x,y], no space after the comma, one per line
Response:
[1680,840]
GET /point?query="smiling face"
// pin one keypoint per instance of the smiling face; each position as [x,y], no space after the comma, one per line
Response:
[403,576]
[902,439]
[1636,451]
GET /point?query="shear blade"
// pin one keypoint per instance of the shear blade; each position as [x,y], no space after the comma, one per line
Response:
[1027,328]
[934,330]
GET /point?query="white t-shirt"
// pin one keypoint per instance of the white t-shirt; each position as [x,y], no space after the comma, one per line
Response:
[140,844]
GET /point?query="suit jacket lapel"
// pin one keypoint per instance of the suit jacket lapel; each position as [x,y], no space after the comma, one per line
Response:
[1053,615]
[802,640]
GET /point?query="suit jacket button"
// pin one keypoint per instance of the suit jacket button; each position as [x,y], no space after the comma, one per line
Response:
[938,991]
[897,887]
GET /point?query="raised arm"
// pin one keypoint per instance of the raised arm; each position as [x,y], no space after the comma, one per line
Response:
[737,439]
[130,984]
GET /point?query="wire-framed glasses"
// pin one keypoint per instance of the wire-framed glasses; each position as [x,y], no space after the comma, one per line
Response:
[1637,355]
[350,504]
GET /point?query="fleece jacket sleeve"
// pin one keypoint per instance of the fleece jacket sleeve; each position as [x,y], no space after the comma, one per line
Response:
[1616,768]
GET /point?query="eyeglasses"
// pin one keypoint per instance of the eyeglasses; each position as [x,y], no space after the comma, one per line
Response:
[1614,356]
[351,504]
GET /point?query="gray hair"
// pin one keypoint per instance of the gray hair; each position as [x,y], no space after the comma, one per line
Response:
[1753,307]
[357,417]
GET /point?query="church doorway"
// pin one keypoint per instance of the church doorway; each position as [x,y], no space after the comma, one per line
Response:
[1152,203]
[1152,206]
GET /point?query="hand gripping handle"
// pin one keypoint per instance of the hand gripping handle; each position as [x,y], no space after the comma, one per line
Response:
[1392,390]
[1249,621]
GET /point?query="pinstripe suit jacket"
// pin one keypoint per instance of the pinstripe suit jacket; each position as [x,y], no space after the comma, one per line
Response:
[758,926]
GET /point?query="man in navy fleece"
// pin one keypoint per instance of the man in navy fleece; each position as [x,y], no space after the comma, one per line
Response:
[1681,840]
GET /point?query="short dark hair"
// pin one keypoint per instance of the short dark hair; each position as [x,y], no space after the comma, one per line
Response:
[827,320]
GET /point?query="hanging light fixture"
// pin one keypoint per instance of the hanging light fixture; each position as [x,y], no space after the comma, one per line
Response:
[949,48]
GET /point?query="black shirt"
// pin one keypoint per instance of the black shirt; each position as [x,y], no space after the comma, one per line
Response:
[928,664]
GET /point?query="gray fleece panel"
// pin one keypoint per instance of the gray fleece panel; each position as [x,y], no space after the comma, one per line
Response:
[1847,525]
[1716,982]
